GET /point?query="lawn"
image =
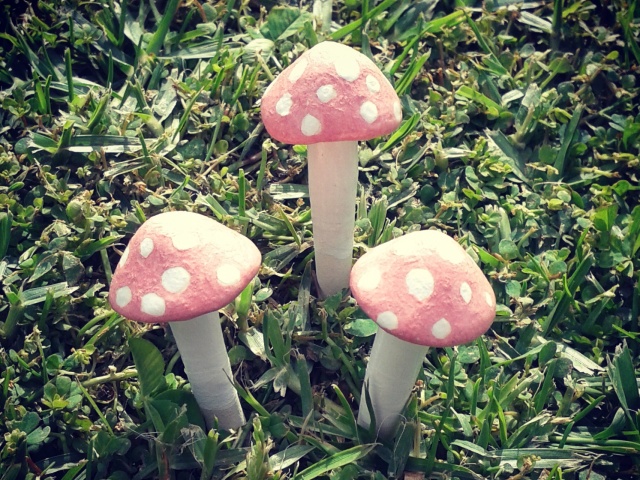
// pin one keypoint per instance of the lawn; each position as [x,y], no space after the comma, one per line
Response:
[519,138]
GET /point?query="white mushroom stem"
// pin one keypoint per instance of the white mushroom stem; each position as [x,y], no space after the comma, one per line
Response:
[391,375]
[205,359]
[322,10]
[333,180]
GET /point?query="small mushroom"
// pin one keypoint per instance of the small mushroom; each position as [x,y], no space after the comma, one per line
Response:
[330,98]
[423,290]
[180,268]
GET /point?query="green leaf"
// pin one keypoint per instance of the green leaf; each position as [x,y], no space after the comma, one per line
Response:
[107,445]
[41,142]
[5,232]
[605,217]
[630,134]
[508,154]
[405,129]
[337,460]
[630,37]
[620,370]
[492,60]
[39,294]
[617,425]
[157,40]
[283,22]
[543,394]
[276,340]
[254,341]
[306,393]
[174,417]
[288,191]
[210,453]
[410,74]
[634,229]
[89,247]
[106,143]
[38,436]
[361,327]
[560,163]
[44,266]
[535,21]
[356,24]
[472,447]
[183,397]
[494,109]
[508,249]
[149,364]
[243,304]
[571,286]
[289,456]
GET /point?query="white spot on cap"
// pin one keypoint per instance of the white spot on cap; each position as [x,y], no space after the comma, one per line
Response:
[175,279]
[326,93]
[146,247]
[347,68]
[488,299]
[184,240]
[452,252]
[397,111]
[228,275]
[373,84]
[420,283]
[465,292]
[124,257]
[369,112]
[441,329]
[404,248]
[410,245]
[153,305]
[310,126]
[387,320]
[370,281]
[123,296]
[283,107]
[298,69]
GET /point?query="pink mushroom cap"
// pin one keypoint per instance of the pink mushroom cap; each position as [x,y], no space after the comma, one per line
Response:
[180,265]
[424,289]
[331,93]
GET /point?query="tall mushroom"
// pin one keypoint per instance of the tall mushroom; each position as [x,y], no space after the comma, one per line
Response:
[423,290]
[329,99]
[180,268]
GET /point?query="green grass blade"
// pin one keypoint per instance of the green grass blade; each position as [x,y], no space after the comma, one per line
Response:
[345,457]
[158,38]
[560,163]
[69,72]
[356,24]
[558,6]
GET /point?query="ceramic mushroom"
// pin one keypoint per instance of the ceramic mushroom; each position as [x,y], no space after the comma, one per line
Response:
[423,290]
[180,268]
[329,99]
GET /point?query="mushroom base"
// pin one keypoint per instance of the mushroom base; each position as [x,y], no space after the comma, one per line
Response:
[333,182]
[205,359]
[391,375]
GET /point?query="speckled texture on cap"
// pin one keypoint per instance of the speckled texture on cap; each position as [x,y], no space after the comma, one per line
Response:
[180,265]
[331,93]
[425,289]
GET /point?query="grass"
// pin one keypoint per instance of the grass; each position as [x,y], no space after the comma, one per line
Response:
[520,139]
